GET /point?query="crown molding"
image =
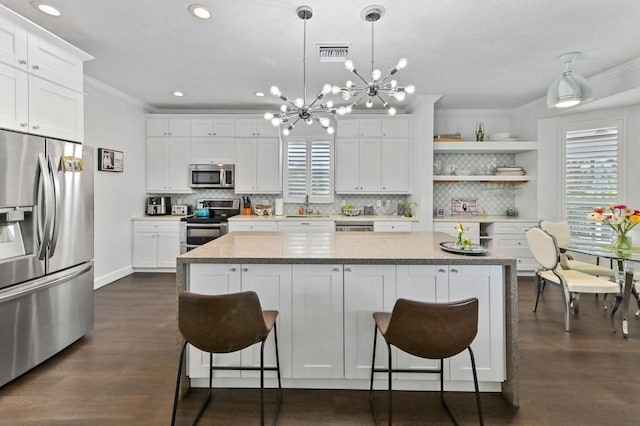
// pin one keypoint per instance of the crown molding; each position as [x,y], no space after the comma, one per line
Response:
[117,94]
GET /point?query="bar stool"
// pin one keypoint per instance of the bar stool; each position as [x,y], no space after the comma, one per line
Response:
[427,330]
[222,324]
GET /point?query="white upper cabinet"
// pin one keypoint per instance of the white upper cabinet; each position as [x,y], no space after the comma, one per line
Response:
[167,165]
[257,163]
[212,127]
[41,81]
[372,156]
[168,127]
[247,127]
[212,150]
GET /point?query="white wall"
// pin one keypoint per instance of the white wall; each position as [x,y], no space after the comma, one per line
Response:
[116,121]
[616,95]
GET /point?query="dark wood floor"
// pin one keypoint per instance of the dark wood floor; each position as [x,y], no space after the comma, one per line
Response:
[123,374]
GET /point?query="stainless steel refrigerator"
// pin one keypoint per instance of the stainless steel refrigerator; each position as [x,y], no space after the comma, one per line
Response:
[46,249]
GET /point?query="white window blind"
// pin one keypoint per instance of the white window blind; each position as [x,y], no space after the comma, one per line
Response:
[592,170]
[309,171]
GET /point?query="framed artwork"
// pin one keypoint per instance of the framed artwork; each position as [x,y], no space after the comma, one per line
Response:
[464,207]
[110,160]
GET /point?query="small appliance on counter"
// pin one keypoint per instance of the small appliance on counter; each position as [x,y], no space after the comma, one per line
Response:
[180,210]
[157,206]
[367,210]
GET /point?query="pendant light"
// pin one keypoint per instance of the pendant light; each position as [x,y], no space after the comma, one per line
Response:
[370,90]
[570,88]
[291,112]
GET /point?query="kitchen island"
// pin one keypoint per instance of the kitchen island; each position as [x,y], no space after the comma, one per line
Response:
[326,286]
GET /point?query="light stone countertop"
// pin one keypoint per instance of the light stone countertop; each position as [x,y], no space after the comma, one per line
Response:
[484,219]
[166,217]
[331,217]
[336,247]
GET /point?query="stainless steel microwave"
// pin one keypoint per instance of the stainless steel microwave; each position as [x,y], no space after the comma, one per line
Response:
[211,175]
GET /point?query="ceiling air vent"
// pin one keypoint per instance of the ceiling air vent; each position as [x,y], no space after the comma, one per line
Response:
[333,52]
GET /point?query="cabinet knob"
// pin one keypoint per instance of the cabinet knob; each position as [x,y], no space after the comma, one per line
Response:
[22,62]
[347,269]
[170,133]
[35,67]
[210,133]
[232,269]
[442,271]
[336,269]
[24,124]
[245,269]
[455,271]
[36,127]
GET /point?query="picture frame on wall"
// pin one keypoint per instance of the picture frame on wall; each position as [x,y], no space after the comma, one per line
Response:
[464,207]
[110,160]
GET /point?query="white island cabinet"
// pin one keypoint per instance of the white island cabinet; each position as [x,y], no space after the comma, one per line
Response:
[327,292]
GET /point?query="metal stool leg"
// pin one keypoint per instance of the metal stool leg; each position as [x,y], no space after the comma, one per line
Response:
[175,398]
[373,364]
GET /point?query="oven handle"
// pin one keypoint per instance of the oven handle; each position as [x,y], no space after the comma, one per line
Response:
[205,225]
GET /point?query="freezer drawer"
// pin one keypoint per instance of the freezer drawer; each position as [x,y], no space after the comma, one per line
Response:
[41,317]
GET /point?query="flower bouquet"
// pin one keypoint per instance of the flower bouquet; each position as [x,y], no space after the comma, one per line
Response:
[621,219]
[466,242]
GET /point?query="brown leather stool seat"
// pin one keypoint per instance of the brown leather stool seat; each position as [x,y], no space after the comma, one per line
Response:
[222,324]
[427,330]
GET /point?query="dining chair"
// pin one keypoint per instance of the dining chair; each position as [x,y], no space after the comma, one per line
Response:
[545,249]
[426,330]
[562,232]
[222,324]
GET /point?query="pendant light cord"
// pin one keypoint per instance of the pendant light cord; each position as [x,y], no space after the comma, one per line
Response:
[304,62]
[372,47]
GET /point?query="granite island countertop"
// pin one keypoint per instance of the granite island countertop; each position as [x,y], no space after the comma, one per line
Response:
[336,247]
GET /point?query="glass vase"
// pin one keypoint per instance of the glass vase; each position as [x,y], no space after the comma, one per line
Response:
[622,242]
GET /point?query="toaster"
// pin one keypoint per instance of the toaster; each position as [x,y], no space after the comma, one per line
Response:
[180,210]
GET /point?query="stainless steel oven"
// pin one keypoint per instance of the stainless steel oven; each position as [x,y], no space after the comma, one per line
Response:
[198,230]
[211,175]
[196,234]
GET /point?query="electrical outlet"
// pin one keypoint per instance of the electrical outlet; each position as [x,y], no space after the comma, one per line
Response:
[388,203]
[379,203]
[344,203]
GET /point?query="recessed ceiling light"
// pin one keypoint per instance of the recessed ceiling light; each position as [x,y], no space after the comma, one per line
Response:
[200,11]
[178,94]
[46,8]
[259,94]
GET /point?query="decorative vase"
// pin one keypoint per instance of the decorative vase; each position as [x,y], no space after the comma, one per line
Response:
[622,242]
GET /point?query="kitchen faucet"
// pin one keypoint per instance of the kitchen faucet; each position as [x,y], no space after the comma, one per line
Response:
[306,205]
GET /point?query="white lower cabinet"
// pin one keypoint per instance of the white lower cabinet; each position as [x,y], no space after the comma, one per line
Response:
[253,225]
[318,322]
[441,283]
[325,324]
[397,226]
[510,238]
[272,283]
[367,289]
[307,226]
[156,244]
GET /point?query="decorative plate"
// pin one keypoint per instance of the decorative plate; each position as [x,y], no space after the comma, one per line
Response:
[472,250]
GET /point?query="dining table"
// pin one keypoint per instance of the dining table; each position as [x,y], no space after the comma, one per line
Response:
[624,261]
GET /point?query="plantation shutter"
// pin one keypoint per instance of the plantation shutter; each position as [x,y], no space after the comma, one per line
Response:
[309,171]
[591,180]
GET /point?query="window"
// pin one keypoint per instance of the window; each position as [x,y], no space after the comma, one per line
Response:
[309,171]
[593,176]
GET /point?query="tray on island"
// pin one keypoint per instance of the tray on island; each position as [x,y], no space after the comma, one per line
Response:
[472,250]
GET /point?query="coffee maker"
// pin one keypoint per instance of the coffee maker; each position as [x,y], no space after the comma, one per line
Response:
[158,206]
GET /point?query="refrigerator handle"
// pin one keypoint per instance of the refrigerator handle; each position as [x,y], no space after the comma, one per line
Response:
[44,282]
[47,200]
[58,206]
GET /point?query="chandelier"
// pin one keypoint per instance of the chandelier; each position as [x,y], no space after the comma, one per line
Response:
[291,112]
[369,90]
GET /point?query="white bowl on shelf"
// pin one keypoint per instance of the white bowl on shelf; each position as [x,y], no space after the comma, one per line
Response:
[464,172]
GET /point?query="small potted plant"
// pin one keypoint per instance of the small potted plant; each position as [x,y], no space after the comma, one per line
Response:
[408,211]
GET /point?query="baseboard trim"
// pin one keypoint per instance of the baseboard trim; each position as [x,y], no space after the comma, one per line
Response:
[111,277]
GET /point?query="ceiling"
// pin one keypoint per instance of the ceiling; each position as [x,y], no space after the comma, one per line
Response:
[475,53]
